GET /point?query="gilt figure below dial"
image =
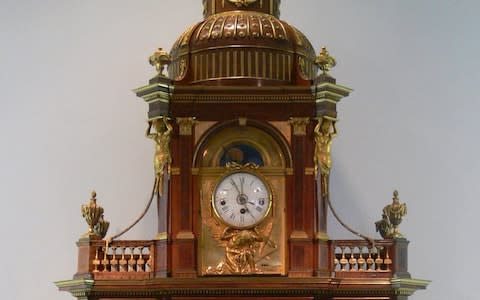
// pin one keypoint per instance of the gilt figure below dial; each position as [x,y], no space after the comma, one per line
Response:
[242,199]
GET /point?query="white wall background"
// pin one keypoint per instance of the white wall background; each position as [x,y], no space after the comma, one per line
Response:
[70,123]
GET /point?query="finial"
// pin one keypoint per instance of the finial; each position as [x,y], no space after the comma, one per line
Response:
[392,217]
[325,61]
[93,215]
[93,197]
[395,196]
[159,59]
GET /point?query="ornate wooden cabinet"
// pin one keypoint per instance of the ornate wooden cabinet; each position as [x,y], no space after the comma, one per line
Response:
[242,124]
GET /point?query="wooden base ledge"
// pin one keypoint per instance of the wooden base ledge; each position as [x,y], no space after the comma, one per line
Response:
[242,287]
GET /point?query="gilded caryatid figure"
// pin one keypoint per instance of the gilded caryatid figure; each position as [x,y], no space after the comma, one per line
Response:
[162,158]
[324,131]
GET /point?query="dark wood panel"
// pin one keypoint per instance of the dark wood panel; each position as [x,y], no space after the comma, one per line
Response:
[231,111]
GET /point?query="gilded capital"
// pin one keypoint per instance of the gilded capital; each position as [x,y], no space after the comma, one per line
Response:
[186,125]
[299,125]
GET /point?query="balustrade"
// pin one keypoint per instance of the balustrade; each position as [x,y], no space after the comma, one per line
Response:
[358,258]
[349,259]
[123,259]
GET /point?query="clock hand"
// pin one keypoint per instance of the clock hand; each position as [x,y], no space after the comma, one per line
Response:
[235,186]
[249,212]
[242,180]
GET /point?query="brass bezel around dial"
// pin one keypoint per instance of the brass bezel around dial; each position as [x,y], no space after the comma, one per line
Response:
[242,202]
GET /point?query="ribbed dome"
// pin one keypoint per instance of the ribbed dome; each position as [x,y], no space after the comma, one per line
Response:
[242,47]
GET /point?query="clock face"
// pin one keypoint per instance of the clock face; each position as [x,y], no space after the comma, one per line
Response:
[242,199]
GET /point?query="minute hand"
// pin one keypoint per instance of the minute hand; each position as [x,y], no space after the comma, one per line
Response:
[235,186]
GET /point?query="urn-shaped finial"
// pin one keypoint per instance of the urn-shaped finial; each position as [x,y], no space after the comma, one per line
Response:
[392,217]
[159,59]
[92,212]
[325,61]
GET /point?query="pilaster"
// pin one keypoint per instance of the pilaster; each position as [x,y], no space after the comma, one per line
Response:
[183,237]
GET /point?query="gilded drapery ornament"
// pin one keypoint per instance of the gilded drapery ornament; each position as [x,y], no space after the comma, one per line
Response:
[162,158]
[325,61]
[392,216]
[159,59]
[325,131]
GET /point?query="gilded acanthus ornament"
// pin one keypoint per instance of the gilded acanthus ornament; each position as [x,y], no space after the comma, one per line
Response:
[244,3]
[325,61]
[93,215]
[101,227]
[391,217]
[159,59]
[324,132]
[162,159]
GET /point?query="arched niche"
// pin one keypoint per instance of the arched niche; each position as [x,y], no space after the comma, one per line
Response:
[255,142]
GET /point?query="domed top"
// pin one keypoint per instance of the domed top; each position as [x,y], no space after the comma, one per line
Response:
[242,42]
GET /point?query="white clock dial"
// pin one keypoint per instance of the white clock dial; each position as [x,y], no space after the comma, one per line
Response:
[242,199]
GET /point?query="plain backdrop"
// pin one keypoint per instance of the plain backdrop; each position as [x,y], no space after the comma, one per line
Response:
[69,123]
